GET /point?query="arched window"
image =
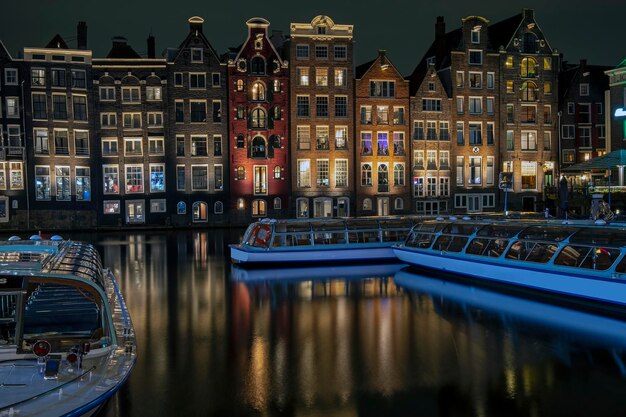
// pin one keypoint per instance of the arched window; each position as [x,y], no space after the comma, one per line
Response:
[529,91]
[276,86]
[383,177]
[530,43]
[241,142]
[276,113]
[257,65]
[528,67]
[275,141]
[240,85]
[367,204]
[200,211]
[218,207]
[277,203]
[277,172]
[241,203]
[241,173]
[398,174]
[259,208]
[258,91]
[259,147]
[398,204]
[366,175]
[259,118]
[181,208]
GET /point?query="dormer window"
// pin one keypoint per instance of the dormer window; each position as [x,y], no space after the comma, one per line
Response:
[258,42]
[476,35]
[321,30]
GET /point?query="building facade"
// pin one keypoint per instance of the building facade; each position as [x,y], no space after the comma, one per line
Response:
[197,140]
[322,119]
[616,114]
[14,201]
[131,105]
[582,91]
[528,108]
[258,83]
[383,158]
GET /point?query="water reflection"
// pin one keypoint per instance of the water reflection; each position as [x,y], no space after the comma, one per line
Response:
[216,340]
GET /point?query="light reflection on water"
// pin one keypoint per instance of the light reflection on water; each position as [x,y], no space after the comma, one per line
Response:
[345,341]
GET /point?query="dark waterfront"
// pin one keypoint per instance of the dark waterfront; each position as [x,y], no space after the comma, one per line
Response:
[354,341]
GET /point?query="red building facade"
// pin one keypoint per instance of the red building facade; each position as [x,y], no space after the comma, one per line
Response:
[258,79]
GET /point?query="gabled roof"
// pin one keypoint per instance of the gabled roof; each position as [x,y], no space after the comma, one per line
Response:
[596,77]
[175,53]
[452,40]
[121,50]
[363,68]
[501,33]
[57,43]
[257,22]
[4,52]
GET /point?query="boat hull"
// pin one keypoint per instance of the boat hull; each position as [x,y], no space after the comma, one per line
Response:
[576,288]
[328,254]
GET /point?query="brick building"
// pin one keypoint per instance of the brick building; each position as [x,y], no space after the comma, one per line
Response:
[14,202]
[382,159]
[616,113]
[528,107]
[197,140]
[502,78]
[131,125]
[431,121]
[322,119]
[258,84]
[582,89]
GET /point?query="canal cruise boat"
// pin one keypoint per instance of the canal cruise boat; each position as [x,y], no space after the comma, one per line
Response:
[321,240]
[67,342]
[580,262]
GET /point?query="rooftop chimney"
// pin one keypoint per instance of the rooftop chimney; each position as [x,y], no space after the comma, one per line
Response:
[81,35]
[151,47]
[195,24]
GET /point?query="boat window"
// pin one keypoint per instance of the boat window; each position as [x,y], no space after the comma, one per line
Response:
[418,239]
[8,304]
[589,257]
[460,229]
[541,252]
[506,231]
[520,250]
[551,233]
[61,310]
[611,237]
[432,227]
[362,224]
[370,236]
[298,227]
[329,238]
[293,239]
[621,267]
[323,226]
[457,244]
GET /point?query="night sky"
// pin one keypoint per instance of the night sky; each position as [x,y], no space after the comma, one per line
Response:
[405,28]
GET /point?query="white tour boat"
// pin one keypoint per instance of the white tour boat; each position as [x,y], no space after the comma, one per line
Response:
[567,261]
[321,240]
[313,273]
[67,343]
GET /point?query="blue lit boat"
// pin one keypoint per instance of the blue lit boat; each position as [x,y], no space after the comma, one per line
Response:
[593,329]
[321,240]
[67,343]
[579,262]
[349,272]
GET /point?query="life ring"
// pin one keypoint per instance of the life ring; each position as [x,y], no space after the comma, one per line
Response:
[263,235]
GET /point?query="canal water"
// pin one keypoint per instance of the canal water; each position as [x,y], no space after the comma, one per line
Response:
[216,340]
